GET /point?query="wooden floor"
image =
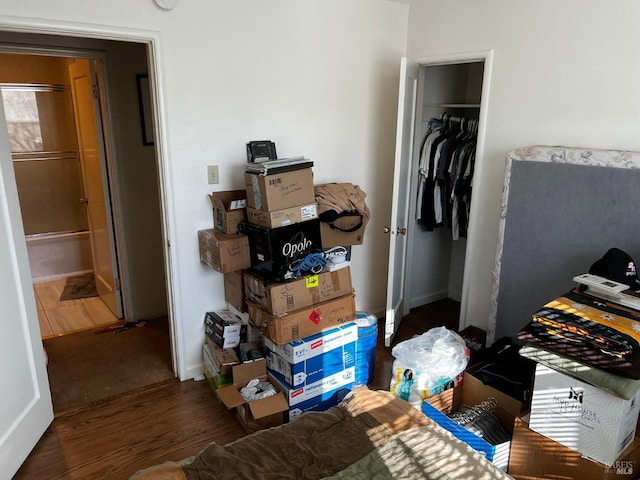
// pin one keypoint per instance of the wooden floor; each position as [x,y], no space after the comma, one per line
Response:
[170,421]
[58,317]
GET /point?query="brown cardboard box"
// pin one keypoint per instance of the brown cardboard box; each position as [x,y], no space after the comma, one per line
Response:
[257,414]
[474,392]
[223,358]
[222,251]
[280,190]
[228,209]
[535,457]
[277,298]
[284,217]
[234,290]
[339,235]
[305,321]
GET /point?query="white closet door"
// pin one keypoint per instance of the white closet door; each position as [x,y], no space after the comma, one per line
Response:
[400,203]
[26,409]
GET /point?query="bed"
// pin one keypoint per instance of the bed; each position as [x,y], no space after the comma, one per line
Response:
[370,435]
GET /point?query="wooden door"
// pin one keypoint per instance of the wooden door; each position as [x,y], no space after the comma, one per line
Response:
[395,308]
[26,410]
[86,107]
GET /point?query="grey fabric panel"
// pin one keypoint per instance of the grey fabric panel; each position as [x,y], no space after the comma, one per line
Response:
[560,219]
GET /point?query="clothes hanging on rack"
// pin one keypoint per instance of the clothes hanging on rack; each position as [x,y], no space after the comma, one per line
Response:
[447,157]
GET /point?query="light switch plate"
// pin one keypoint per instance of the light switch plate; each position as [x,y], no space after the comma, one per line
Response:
[213,176]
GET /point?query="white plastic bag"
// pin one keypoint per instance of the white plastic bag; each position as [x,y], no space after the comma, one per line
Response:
[427,364]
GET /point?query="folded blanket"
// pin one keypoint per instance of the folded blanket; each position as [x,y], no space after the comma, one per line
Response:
[423,453]
[315,445]
[598,333]
[578,318]
[619,386]
[628,366]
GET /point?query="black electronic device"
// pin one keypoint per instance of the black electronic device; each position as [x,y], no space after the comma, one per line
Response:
[261,150]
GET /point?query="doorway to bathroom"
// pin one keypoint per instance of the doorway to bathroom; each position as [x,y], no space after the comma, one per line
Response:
[55,134]
[88,187]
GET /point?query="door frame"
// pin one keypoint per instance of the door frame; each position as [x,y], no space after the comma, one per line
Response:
[153,43]
[473,229]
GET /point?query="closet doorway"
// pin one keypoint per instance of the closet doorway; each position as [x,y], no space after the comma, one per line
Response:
[427,259]
[58,154]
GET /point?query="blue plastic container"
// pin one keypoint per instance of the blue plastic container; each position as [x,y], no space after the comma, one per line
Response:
[365,348]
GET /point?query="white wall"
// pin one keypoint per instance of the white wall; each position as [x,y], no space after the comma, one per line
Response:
[564,73]
[319,78]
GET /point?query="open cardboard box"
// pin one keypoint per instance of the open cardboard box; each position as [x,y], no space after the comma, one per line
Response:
[228,209]
[473,392]
[257,414]
[536,457]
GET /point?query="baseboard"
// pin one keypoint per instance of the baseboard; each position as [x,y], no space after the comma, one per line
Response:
[428,298]
[60,276]
[193,372]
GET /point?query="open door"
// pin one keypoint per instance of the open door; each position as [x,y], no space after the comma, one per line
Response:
[84,91]
[395,308]
[26,409]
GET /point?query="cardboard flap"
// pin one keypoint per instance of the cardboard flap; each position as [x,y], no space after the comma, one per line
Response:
[229,200]
[268,406]
[474,392]
[230,396]
[248,371]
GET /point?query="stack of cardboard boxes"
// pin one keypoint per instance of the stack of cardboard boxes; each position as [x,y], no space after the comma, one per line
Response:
[294,298]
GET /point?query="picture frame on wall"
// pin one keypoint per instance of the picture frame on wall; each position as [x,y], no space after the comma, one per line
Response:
[144,104]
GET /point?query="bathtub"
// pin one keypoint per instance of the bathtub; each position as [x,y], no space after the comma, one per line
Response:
[58,255]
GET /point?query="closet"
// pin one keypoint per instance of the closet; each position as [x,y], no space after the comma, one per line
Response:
[450,93]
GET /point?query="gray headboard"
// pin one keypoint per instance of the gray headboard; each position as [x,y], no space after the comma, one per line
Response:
[562,209]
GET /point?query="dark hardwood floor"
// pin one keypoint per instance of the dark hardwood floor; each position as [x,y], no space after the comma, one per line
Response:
[172,420]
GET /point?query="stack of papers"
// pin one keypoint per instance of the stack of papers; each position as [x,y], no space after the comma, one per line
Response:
[269,167]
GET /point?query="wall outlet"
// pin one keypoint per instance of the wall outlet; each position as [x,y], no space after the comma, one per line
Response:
[213,176]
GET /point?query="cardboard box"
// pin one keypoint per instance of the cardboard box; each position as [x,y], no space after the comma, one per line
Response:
[317,404]
[222,358]
[592,421]
[284,217]
[250,352]
[275,250]
[281,297]
[234,290]
[474,392]
[306,361]
[280,190]
[224,328]
[305,321]
[254,333]
[224,252]
[347,230]
[215,377]
[257,414]
[320,390]
[534,456]
[228,210]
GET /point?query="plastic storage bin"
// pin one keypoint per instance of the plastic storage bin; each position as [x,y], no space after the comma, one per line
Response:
[366,348]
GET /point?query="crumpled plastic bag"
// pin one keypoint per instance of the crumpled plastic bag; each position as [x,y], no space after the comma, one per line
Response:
[427,364]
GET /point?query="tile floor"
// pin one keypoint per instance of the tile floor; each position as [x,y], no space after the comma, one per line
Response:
[60,317]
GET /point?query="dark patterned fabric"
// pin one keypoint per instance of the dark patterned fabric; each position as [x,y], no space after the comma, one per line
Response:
[596,332]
